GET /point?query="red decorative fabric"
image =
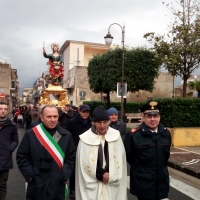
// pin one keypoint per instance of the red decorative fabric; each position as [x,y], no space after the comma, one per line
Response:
[56,72]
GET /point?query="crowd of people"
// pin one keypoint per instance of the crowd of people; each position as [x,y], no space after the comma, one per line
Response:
[67,146]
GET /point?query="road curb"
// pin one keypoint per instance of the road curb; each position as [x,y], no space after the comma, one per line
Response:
[183,169]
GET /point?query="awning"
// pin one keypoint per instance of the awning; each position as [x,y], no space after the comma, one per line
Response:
[2,95]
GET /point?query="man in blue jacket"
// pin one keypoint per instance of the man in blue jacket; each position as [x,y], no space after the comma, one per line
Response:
[8,143]
[147,151]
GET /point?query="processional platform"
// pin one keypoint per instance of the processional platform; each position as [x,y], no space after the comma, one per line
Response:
[54,95]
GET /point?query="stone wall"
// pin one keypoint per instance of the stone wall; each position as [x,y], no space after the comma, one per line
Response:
[5,78]
[163,89]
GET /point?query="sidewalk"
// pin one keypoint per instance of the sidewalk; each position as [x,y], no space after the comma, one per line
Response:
[186,160]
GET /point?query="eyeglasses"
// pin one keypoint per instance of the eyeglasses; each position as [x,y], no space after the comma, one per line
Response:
[104,123]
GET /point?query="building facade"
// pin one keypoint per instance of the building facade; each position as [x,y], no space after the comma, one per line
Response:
[9,85]
[38,87]
[27,95]
[76,56]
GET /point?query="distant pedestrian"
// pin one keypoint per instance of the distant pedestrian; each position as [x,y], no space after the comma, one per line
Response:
[8,143]
[65,114]
[147,151]
[34,114]
[115,123]
[22,113]
[75,109]
[28,116]
[15,113]
[38,120]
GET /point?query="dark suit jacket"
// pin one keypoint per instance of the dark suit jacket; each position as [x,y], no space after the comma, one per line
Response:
[76,127]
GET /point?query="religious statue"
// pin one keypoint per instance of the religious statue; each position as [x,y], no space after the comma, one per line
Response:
[55,61]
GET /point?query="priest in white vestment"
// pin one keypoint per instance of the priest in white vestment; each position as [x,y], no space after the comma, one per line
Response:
[101,172]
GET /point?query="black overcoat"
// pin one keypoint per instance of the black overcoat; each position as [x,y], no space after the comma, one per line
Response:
[45,184]
[76,127]
[8,143]
[121,127]
[148,154]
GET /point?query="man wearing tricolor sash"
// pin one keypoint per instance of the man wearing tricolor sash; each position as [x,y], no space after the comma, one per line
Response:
[101,172]
[45,158]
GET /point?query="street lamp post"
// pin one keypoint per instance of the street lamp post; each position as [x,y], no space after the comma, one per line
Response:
[173,88]
[108,41]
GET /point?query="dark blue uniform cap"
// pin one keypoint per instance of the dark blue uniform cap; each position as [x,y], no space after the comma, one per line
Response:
[151,108]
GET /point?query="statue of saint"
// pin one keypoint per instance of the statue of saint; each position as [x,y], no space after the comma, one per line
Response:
[55,61]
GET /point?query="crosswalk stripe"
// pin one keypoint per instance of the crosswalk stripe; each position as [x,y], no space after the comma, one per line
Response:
[187,150]
[185,188]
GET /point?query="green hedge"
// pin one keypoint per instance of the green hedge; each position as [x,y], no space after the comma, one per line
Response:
[180,112]
[176,112]
[130,106]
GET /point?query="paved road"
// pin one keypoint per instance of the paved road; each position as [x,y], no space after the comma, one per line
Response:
[16,185]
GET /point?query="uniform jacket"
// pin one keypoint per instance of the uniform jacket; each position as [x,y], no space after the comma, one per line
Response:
[76,127]
[8,143]
[148,153]
[45,184]
[121,127]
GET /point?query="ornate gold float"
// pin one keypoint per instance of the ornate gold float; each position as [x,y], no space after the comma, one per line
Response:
[54,95]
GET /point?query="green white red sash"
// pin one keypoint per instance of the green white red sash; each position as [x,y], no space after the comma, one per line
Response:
[49,144]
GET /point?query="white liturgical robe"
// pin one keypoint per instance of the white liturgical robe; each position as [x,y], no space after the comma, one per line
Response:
[88,187]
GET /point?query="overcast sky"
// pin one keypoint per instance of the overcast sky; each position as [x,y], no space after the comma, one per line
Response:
[25,24]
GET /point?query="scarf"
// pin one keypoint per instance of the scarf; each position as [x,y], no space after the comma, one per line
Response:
[100,170]
[3,121]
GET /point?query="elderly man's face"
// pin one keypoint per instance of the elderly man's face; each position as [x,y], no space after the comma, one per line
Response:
[151,121]
[50,117]
[101,127]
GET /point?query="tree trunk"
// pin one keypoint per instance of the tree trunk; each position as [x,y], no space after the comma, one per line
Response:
[185,78]
[124,106]
[108,98]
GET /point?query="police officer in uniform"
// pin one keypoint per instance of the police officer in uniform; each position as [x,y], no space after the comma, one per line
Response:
[147,151]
